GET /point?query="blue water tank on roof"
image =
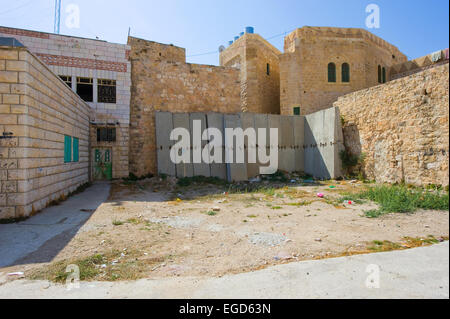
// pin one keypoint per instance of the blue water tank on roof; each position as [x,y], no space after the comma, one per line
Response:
[249,30]
[235,38]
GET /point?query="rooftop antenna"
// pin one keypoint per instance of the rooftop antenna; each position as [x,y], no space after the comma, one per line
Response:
[57,22]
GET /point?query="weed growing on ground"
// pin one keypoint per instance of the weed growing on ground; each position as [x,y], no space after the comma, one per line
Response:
[300,204]
[109,266]
[401,199]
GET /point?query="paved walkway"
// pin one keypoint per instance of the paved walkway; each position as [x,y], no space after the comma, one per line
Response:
[41,237]
[416,273]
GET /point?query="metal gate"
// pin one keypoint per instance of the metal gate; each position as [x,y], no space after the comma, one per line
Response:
[102,164]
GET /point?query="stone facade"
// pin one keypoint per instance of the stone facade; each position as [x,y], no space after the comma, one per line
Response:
[163,81]
[307,54]
[402,127]
[417,65]
[39,110]
[258,62]
[78,57]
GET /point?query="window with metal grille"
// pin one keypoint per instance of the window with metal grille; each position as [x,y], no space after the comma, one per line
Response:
[85,89]
[106,91]
[331,72]
[297,110]
[106,134]
[345,72]
[67,80]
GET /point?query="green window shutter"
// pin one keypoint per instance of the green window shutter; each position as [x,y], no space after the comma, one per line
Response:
[384,75]
[76,156]
[67,149]
[297,110]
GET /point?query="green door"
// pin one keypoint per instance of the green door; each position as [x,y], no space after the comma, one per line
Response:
[102,164]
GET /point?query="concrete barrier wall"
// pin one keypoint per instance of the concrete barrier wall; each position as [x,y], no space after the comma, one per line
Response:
[309,144]
[323,141]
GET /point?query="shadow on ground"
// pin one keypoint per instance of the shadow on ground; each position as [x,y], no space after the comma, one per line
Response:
[40,238]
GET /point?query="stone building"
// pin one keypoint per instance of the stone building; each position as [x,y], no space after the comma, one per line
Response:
[99,72]
[44,134]
[319,64]
[73,110]
[163,81]
[258,62]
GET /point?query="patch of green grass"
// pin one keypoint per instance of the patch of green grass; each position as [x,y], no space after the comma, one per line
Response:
[385,245]
[127,268]
[401,199]
[351,197]
[302,203]
[134,221]
[252,216]
[89,269]
[187,181]
[211,213]
[270,191]
[277,207]
[373,213]
[117,222]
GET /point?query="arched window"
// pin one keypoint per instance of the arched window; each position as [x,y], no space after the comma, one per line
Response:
[379,74]
[331,72]
[384,75]
[345,72]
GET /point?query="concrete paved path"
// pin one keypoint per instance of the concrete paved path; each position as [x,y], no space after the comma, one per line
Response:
[416,273]
[41,237]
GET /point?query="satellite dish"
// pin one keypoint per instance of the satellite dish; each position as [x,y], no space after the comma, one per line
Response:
[221,48]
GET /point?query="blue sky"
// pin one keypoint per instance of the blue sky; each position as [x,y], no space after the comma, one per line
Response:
[201,26]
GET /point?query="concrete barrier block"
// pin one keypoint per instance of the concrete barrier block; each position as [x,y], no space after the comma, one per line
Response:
[164,126]
[236,172]
[216,120]
[248,121]
[181,120]
[200,169]
[299,139]
[287,152]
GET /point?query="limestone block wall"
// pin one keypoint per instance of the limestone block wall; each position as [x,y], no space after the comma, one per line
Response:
[96,59]
[163,81]
[402,127]
[260,92]
[304,65]
[38,110]
[417,65]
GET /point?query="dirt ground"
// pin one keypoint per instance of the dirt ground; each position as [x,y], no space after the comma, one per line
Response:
[154,228]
